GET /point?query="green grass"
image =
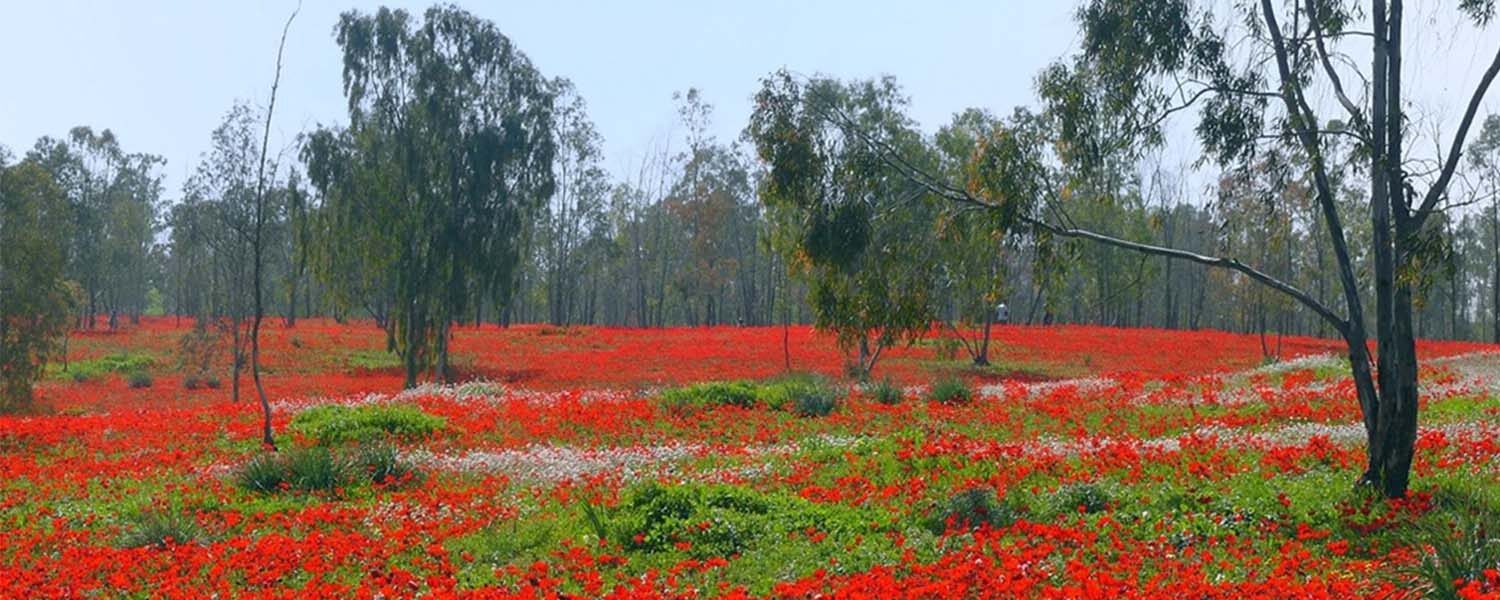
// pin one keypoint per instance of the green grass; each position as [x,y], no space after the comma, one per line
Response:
[333,424]
[94,368]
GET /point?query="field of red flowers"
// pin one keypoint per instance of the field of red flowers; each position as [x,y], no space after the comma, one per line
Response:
[591,462]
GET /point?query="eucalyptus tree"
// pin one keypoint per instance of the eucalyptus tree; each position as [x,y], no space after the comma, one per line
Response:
[447,156]
[708,201]
[35,299]
[113,199]
[858,229]
[1484,159]
[1252,77]
[575,213]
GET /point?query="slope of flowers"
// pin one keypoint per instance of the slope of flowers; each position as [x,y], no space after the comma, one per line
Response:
[1145,464]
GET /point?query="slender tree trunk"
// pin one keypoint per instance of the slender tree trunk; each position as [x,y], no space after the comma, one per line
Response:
[260,218]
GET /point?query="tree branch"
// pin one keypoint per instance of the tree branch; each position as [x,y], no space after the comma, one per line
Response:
[1213,261]
[1429,202]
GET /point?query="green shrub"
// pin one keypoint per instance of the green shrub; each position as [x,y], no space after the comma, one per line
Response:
[720,520]
[818,402]
[264,473]
[952,390]
[1082,497]
[139,379]
[1458,542]
[160,529]
[94,368]
[709,394]
[316,469]
[382,464]
[971,509]
[885,392]
[332,424]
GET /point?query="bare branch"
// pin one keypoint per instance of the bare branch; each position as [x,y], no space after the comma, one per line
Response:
[1440,186]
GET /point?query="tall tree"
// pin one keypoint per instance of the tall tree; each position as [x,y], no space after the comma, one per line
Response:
[859,229]
[34,297]
[447,155]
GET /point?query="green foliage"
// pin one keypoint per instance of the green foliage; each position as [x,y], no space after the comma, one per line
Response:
[316,469]
[720,520]
[971,509]
[138,379]
[332,424]
[34,297]
[1457,544]
[124,363]
[382,464]
[161,528]
[804,394]
[709,394]
[311,469]
[1081,497]
[951,390]
[857,229]
[264,473]
[885,392]
[418,115]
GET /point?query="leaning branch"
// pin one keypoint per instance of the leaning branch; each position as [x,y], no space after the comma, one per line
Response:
[1213,261]
[1434,193]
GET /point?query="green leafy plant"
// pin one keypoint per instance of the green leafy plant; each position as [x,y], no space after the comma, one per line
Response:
[885,392]
[971,509]
[332,424]
[139,379]
[382,464]
[161,528]
[952,390]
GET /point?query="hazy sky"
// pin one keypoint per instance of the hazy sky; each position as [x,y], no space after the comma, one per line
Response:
[162,73]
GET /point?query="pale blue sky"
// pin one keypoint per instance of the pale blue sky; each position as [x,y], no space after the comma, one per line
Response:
[162,73]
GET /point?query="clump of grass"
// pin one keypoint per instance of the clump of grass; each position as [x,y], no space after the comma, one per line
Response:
[94,368]
[382,464]
[971,509]
[197,382]
[139,380]
[312,469]
[1458,543]
[264,474]
[709,394]
[317,469]
[333,424]
[1082,497]
[818,402]
[155,528]
[952,390]
[885,392]
[804,394]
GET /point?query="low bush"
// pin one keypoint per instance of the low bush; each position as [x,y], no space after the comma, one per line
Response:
[717,520]
[1458,544]
[123,363]
[952,390]
[709,394]
[885,392]
[139,380]
[161,529]
[971,509]
[333,424]
[805,394]
[381,463]
[313,469]
[1081,497]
